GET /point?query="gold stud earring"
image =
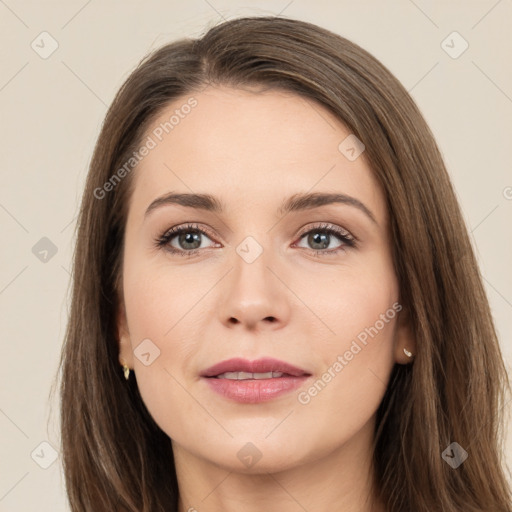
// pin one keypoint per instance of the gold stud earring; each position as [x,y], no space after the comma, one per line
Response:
[126,372]
[407,353]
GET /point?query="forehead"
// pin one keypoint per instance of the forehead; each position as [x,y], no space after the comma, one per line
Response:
[250,148]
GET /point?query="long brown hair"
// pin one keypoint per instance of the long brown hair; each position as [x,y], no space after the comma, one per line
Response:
[116,457]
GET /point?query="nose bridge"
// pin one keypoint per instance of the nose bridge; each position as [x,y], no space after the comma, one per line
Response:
[251,261]
[250,276]
[253,293]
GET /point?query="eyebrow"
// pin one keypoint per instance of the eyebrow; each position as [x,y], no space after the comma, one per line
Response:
[297,202]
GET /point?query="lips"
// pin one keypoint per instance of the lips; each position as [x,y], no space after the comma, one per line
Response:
[260,366]
[252,382]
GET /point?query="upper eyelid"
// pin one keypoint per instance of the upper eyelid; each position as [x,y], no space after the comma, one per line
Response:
[328,226]
[320,225]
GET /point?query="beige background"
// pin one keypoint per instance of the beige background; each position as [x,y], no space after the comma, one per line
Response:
[52,109]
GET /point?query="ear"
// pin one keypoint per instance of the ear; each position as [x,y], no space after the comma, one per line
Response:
[125,345]
[404,337]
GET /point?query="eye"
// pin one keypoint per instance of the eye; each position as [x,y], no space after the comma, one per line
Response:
[319,238]
[182,240]
[186,240]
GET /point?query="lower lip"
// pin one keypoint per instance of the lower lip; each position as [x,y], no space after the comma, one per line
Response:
[253,391]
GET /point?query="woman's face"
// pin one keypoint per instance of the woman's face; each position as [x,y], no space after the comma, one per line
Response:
[266,274]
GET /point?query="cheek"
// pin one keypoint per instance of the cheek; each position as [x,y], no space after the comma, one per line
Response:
[362,311]
[352,303]
[149,315]
[357,364]
[158,299]
[159,310]
[357,354]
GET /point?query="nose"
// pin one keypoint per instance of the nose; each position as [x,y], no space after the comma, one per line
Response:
[253,296]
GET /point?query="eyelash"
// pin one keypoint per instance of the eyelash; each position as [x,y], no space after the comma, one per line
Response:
[348,240]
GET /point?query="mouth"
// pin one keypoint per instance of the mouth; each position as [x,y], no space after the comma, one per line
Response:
[254,381]
[242,369]
[247,375]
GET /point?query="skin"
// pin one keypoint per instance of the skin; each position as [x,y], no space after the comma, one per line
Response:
[252,150]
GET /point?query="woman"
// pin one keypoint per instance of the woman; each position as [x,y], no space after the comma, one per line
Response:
[325,343]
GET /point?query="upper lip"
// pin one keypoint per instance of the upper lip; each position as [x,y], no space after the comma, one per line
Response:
[263,365]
